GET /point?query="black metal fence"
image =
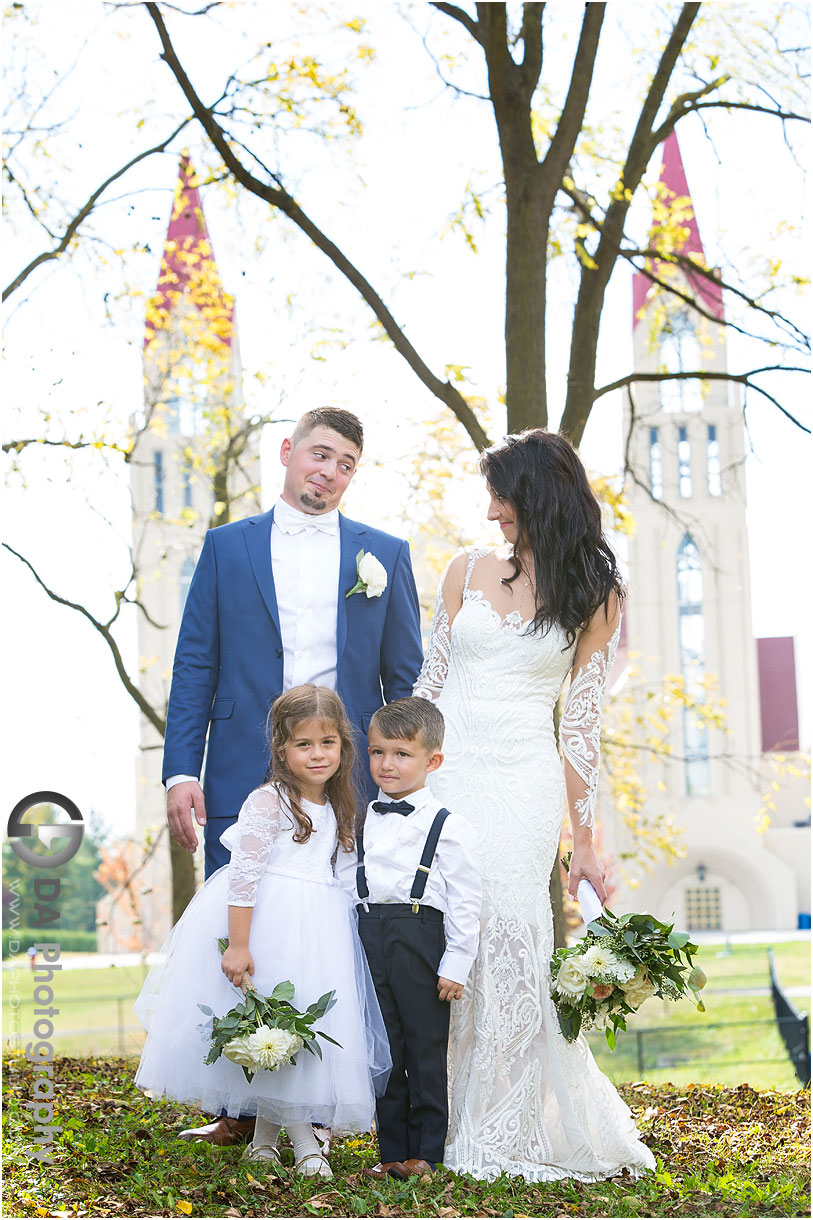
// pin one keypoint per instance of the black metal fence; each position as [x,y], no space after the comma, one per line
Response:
[794,1027]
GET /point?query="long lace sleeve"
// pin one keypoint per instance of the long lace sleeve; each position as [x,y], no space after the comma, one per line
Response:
[580,728]
[251,839]
[431,679]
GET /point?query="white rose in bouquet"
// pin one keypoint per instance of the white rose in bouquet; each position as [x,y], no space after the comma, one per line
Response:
[572,979]
[272,1047]
[638,989]
[239,1052]
[373,574]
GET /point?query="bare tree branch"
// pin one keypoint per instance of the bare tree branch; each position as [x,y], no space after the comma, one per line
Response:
[84,212]
[278,197]
[728,105]
[459,14]
[23,443]
[705,375]
[158,722]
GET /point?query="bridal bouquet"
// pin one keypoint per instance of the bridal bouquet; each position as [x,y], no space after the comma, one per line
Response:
[621,962]
[265,1032]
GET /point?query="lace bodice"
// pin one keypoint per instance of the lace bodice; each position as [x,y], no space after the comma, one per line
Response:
[533,664]
[262,841]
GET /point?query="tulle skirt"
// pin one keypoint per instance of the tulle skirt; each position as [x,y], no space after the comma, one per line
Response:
[301,930]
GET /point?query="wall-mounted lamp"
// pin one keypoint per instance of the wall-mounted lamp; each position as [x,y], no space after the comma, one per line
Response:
[701,873]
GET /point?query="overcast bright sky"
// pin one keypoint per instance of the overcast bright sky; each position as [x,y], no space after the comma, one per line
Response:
[70,725]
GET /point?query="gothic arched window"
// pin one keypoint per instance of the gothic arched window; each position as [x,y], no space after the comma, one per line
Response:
[692,641]
[680,353]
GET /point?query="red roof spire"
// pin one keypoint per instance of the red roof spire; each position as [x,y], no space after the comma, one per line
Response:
[188,267]
[674,190]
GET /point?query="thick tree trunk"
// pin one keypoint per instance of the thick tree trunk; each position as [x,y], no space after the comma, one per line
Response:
[183,878]
[526,289]
[557,902]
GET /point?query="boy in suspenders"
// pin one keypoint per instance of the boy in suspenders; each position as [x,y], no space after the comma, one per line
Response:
[415,870]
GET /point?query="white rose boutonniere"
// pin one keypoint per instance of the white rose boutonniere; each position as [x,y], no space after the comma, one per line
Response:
[372,576]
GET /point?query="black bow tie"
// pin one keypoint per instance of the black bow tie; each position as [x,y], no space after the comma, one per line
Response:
[402,807]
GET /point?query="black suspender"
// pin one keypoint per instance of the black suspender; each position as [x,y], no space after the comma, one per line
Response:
[427,856]
[429,849]
[361,876]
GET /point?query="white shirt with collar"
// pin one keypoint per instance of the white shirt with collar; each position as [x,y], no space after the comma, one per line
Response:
[393,844]
[305,558]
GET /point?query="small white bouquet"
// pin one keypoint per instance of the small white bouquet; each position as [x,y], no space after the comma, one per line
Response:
[266,1032]
[620,963]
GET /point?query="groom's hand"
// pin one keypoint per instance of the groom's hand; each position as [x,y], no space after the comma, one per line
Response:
[183,800]
[447,990]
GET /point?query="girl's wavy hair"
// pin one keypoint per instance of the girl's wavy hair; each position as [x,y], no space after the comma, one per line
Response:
[313,703]
[559,518]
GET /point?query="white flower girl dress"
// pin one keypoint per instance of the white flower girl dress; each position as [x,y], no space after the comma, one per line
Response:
[302,930]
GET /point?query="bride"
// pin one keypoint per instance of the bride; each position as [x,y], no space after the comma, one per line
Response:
[508,627]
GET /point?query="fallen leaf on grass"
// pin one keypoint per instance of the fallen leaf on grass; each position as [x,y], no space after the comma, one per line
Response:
[325,1199]
[448,1211]
[232,1211]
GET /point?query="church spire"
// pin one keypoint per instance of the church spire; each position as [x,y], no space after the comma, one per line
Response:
[189,272]
[673,211]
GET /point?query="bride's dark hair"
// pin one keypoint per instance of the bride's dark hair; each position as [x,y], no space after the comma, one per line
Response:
[559,518]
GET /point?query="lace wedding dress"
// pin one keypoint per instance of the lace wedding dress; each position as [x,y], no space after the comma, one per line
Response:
[523,1100]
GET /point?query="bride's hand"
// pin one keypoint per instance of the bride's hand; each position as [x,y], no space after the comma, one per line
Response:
[585,866]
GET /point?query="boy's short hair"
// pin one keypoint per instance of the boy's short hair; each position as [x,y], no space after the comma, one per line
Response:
[411,719]
[337,419]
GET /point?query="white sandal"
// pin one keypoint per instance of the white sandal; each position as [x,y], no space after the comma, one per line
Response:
[265,1154]
[320,1170]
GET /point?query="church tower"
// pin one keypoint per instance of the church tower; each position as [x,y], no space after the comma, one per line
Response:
[689,607]
[195,465]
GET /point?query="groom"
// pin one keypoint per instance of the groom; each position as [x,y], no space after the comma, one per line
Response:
[267,610]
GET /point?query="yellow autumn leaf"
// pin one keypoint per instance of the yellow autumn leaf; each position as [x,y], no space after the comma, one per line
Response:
[184,1207]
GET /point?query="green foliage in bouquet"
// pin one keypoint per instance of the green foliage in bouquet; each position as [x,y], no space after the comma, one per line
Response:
[267,1031]
[621,962]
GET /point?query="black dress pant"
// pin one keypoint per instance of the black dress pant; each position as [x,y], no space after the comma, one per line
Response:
[404,951]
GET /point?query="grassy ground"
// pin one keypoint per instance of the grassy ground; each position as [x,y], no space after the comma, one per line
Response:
[97,1005]
[683,1046]
[720,1152]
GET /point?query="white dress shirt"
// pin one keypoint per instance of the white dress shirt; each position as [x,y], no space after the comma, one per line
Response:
[393,845]
[305,558]
[305,555]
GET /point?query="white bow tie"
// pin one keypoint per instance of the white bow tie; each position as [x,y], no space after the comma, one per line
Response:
[303,524]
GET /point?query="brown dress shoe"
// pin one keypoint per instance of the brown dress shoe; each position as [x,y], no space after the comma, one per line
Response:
[387,1169]
[223,1131]
[416,1166]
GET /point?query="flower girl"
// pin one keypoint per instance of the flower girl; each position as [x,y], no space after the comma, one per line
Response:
[286,919]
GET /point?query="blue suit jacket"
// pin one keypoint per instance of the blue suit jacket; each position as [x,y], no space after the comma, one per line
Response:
[228,661]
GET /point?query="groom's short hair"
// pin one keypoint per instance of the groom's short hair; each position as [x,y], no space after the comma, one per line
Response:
[344,422]
[410,719]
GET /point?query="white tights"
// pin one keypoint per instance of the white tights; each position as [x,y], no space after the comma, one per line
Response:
[301,1136]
